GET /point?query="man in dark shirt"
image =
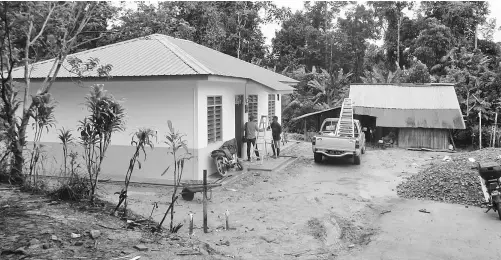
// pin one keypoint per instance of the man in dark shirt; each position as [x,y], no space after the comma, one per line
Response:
[276,130]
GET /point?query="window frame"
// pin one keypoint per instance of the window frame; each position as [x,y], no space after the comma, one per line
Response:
[272,103]
[214,104]
[250,103]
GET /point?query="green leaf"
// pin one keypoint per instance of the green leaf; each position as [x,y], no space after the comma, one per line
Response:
[170,126]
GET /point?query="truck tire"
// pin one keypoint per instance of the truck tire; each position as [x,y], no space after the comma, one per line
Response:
[318,157]
[363,150]
[356,159]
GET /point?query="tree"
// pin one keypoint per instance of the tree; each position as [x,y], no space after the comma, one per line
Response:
[391,16]
[146,20]
[178,148]
[333,88]
[142,137]
[417,73]
[359,26]
[462,18]
[56,25]
[107,116]
[470,72]
[432,44]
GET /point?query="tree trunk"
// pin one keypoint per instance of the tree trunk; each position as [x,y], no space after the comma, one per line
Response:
[398,36]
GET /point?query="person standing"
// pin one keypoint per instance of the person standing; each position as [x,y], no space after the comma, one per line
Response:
[250,129]
[276,131]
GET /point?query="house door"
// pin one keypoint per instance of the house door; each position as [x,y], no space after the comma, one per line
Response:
[239,122]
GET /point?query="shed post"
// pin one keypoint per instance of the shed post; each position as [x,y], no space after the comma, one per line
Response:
[480,128]
[305,134]
[495,130]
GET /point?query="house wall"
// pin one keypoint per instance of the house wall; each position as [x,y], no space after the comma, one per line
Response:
[149,102]
[431,138]
[228,89]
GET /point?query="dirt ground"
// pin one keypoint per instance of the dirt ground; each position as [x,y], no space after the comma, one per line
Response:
[332,210]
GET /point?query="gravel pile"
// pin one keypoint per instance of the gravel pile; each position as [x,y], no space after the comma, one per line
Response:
[451,181]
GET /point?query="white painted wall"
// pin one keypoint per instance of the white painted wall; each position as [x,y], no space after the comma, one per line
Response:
[149,102]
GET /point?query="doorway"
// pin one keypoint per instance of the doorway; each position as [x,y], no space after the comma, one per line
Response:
[239,122]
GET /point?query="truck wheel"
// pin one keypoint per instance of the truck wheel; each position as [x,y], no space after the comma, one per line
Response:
[356,160]
[318,157]
[363,150]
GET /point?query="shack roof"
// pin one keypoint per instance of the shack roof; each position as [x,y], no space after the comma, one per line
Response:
[409,105]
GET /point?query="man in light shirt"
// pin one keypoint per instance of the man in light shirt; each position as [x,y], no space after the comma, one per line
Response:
[251,129]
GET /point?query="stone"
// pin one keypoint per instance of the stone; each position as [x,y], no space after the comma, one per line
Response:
[21,251]
[141,247]
[95,234]
[78,243]
[45,246]
[351,246]
[73,235]
[54,237]
[34,244]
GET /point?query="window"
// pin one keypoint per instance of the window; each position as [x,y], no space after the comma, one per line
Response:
[253,105]
[271,106]
[214,119]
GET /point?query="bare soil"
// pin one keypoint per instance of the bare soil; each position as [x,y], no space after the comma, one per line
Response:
[34,227]
[331,210]
[304,211]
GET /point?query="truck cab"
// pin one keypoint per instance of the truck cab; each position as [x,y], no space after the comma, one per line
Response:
[327,144]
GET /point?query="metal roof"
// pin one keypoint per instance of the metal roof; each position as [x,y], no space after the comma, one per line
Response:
[315,113]
[425,96]
[161,55]
[404,105]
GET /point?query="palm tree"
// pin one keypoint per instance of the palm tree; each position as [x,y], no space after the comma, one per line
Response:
[333,88]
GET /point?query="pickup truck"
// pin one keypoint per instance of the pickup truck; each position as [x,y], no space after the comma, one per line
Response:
[327,144]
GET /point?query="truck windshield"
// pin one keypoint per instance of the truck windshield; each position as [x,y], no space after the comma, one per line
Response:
[329,126]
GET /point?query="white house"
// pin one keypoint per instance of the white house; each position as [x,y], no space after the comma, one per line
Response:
[163,78]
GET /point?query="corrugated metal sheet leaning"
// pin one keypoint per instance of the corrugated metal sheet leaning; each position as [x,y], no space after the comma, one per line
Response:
[409,106]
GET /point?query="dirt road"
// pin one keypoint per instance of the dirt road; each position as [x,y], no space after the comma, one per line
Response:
[333,210]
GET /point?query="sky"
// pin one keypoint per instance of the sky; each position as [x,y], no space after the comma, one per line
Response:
[269,29]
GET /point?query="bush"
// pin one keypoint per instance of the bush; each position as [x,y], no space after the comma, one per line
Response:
[75,190]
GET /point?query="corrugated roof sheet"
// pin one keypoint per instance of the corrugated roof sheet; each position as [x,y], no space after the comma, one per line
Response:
[425,106]
[315,113]
[404,97]
[226,65]
[161,55]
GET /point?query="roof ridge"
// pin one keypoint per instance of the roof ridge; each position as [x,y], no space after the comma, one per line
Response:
[235,58]
[184,56]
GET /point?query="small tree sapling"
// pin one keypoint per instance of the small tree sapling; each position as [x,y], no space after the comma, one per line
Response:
[107,117]
[140,139]
[178,148]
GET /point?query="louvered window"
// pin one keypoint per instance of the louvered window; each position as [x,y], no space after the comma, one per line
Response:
[253,105]
[214,119]
[271,106]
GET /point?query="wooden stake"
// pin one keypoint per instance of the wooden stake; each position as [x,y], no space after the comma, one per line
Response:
[191,224]
[205,202]
[480,128]
[227,215]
